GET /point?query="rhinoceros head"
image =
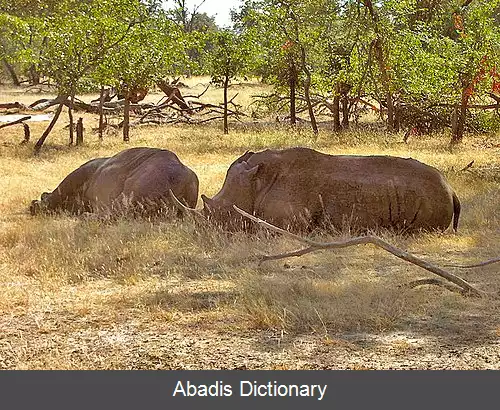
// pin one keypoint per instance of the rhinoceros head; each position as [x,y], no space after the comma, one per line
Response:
[40,206]
[238,189]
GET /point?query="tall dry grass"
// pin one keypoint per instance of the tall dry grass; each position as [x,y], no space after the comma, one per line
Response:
[68,281]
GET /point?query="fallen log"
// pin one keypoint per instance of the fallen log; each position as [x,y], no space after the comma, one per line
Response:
[17,105]
[44,103]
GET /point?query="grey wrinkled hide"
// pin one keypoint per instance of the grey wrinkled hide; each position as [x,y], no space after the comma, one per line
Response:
[134,180]
[300,189]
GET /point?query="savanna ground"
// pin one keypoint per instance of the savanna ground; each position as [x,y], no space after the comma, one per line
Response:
[139,294]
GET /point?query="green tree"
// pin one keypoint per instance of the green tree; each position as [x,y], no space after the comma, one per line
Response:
[79,36]
[152,50]
[232,54]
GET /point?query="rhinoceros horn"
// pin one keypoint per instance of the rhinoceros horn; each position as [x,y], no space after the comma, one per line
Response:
[183,208]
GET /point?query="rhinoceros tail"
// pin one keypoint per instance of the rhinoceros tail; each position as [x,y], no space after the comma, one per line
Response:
[456,211]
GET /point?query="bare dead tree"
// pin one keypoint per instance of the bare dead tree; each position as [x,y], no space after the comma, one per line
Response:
[314,246]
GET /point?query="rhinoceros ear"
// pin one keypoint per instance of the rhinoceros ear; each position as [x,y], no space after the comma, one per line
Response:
[245,156]
[250,173]
[45,196]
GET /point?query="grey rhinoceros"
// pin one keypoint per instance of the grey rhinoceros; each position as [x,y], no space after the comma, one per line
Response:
[136,179]
[300,189]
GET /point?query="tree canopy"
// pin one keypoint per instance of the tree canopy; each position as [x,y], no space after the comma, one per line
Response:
[422,64]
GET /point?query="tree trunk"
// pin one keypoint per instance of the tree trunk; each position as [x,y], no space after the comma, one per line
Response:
[126,118]
[101,113]
[293,89]
[336,110]
[459,118]
[307,87]
[34,76]
[11,72]
[71,122]
[379,54]
[293,107]
[345,111]
[39,143]
[390,109]
[226,85]
[397,118]
[79,131]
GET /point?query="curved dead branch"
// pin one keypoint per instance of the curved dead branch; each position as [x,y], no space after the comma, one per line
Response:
[477,265]
[436,282]
[361,240]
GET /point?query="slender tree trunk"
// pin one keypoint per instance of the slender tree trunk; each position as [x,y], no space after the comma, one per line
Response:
[379,54]
[226,85]
[101,113]
[79,131]
[293,90]
[345,111]
[336,109]
[459,116]
[386,84]
[307,88]
[126,118]
[336,113]
[390,111]
[293,108]
[71,121]
[39,143]
[397,118]
[386,81]
[12,72]
[305,69]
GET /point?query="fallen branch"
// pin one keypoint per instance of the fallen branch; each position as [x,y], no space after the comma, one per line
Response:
[437,282]
[369,239]
[16,105]
[477,265]
[20,120]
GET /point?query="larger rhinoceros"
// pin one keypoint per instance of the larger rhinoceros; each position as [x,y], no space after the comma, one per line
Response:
[300,188]
[137,179]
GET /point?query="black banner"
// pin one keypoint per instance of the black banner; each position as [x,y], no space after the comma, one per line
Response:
[248,389]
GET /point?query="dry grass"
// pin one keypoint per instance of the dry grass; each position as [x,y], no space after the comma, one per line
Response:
[172,294]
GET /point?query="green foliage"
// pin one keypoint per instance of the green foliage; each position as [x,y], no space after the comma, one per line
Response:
[428,54]
[80,39]
[231,54]
[152,49]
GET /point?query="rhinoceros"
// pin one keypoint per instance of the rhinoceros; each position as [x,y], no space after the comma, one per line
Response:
[300,189]
[137,179]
